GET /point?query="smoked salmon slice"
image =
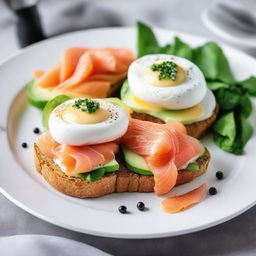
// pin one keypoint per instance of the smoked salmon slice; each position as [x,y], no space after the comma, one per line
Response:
[46,144]
[87,71]
[182,202]
[94,89]
[147,138]
[165,177]
[83,70]
[69,62]
[38,73]
[49,78]
[165,147]
[77,159]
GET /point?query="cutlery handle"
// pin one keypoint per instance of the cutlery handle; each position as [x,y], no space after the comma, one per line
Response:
[28,27]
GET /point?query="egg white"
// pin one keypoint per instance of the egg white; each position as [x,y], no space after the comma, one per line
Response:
[66,132]
[182,96]
[209,105]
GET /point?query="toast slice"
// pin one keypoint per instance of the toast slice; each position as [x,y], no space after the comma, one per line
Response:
[196,129]
[120,181]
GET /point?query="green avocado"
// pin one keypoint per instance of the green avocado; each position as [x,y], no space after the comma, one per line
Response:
[37,96]
[137,163]
[50,106]
[185,116]
[94,175]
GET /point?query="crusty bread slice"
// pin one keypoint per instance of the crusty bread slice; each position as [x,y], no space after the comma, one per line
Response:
[196,129]
[120,181]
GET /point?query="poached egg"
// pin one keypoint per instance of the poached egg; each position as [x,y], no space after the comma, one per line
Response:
[188,89]
[72,126]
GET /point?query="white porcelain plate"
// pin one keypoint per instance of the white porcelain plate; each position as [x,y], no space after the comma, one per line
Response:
[20,183]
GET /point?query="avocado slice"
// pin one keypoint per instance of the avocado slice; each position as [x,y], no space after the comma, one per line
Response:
[50,106]
[94,175]
[193,167]
[37,96]
[185,116]
[137,163]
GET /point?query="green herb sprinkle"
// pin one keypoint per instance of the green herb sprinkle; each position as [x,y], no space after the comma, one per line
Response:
[166,69]
[86,105]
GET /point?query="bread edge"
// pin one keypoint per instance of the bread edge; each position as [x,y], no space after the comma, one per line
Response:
[120,181]
[196,129]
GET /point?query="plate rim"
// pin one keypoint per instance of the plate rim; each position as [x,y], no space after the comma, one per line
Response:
[128,236]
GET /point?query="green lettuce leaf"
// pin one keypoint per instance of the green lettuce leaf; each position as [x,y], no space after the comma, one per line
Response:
[182,49]
[215,85]
[227,99]
[146,42]
[213,63]
[225,131]
[232,129]
[250,85]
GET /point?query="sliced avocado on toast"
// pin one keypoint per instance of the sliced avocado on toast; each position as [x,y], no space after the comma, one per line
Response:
[136,163]
[50,106]
[185,116]
[96,174]
[37,96]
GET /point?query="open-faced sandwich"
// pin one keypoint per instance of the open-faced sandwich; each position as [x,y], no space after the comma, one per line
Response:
[161,88]
[81,72]
[93,148]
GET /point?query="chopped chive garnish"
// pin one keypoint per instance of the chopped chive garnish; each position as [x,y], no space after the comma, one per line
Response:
[166,69]
[86,105]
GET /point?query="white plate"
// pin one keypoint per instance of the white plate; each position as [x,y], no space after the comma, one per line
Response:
[21,184]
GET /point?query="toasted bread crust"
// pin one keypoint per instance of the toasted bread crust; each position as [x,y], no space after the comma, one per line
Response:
[196,129]
[120,181]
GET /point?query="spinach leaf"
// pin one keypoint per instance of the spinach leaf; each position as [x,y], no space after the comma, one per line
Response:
[225,131]
[250,85]
[212,85]
[244,133]
[227,99]
[146,40]
[93,175]
[245,106]
[213,63]
[231,130]
[182,49]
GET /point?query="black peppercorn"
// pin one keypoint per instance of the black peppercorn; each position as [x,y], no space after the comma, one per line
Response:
[212,191]
[141,206]
[122,209]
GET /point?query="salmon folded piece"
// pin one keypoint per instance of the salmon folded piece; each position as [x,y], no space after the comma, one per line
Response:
[49,78]
[87,71]
[77,159]
[182,202]
[69,61]
[166,148]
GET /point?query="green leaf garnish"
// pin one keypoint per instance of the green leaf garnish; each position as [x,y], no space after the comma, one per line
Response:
[232,129]
[86,105]
[166,69]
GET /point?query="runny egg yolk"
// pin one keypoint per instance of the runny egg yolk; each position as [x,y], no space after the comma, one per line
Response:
[78,116]
[152,77]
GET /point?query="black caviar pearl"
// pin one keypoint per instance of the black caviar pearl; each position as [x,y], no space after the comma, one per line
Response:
[141,206]
[122,209]
[212,191]
[219,175]
[36,130]
[24,145]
